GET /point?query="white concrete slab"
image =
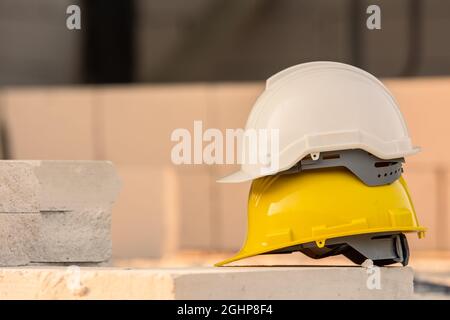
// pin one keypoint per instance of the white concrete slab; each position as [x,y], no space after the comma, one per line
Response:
[204,283]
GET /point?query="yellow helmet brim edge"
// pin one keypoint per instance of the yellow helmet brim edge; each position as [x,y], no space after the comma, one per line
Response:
[242,254]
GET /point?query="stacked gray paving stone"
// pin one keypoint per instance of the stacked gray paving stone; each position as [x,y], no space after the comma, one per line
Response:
[56,211]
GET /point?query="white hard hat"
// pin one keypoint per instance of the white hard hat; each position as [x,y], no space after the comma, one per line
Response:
[325,106]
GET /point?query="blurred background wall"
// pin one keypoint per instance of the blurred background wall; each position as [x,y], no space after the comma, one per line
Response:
[163,207]
[215,40]
[137,70]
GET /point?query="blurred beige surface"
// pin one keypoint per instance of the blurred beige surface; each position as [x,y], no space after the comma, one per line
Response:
[423,262]
[243,283]
[164,208]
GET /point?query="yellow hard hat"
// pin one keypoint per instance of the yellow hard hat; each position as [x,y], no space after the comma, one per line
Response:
[327,212]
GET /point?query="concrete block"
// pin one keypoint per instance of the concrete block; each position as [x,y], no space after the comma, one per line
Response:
[145,217]
[204,283]
[74,200]
[18,236]
[73,236]
[19,188]
[60,122]
[76,185]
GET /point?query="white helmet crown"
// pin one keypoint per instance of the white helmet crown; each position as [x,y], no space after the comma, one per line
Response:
[325,106]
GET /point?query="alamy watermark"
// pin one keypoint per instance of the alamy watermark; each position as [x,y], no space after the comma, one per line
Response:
[373,281]
[234,146]
[73,281]
[73,21]
[373,22]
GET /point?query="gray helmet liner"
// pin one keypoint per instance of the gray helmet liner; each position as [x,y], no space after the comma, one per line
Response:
[382,248]
[369,169]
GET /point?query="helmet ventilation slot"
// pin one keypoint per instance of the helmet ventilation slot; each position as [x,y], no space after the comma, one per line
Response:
[370,169]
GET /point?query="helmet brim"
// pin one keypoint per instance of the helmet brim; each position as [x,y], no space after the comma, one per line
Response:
[245,253]
[236,177]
